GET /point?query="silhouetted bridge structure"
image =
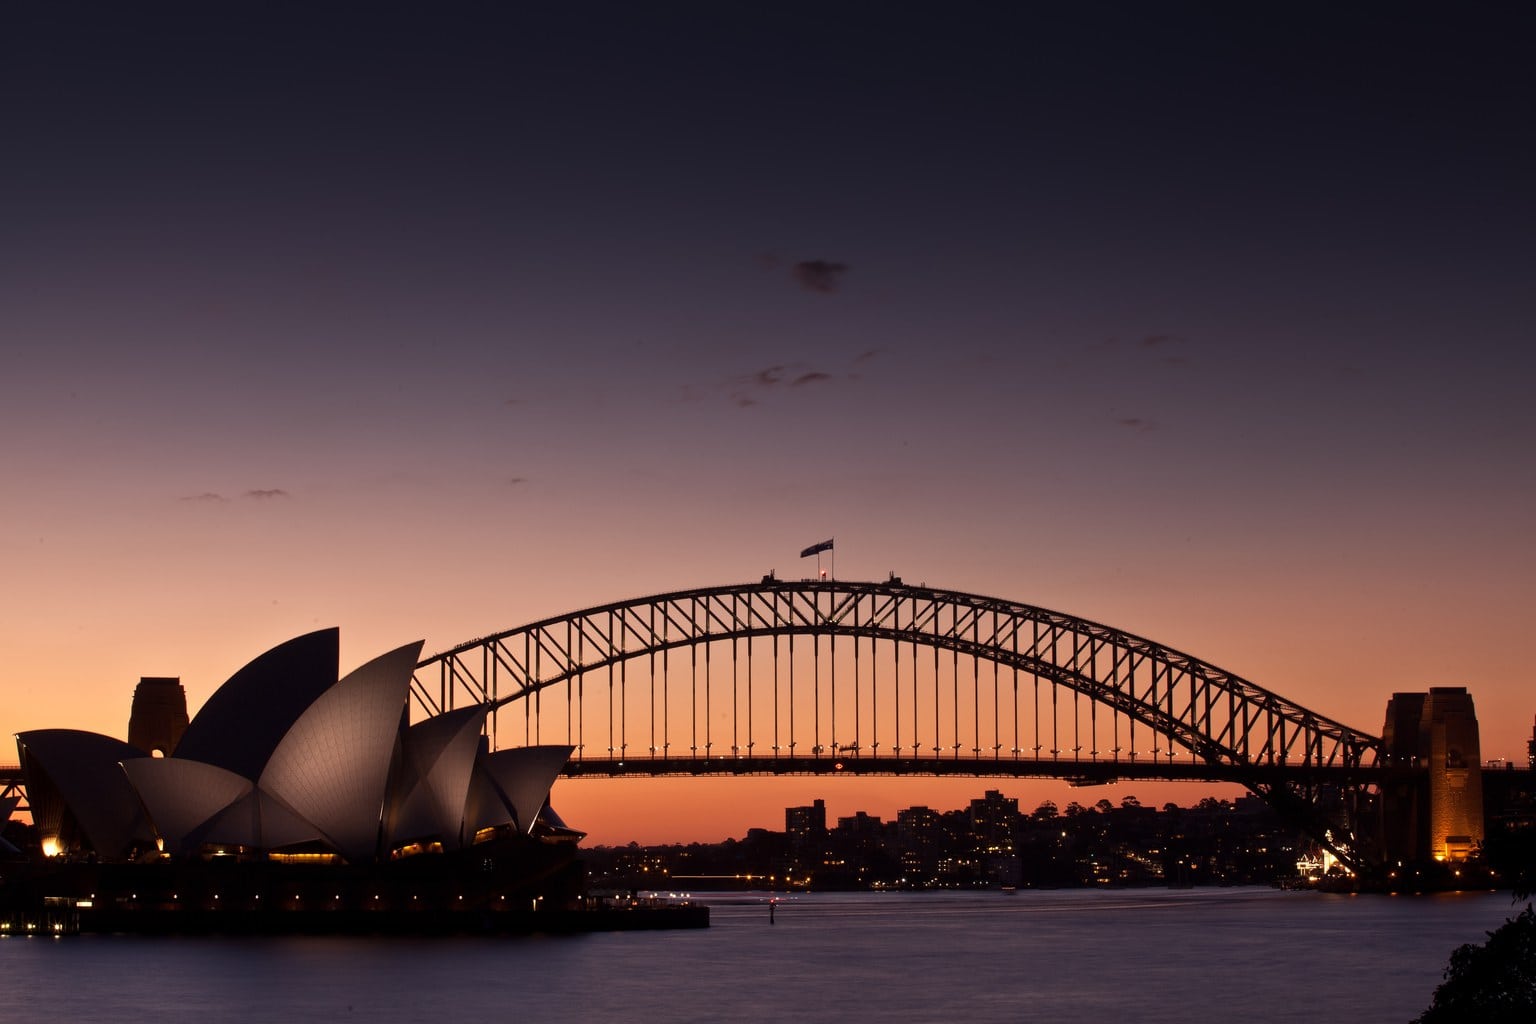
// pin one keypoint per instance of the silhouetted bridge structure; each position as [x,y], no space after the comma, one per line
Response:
[831,677]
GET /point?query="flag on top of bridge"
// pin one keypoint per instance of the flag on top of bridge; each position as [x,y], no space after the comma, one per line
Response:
[816,549]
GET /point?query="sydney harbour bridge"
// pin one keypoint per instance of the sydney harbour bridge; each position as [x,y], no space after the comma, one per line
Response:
[851,678]
[829,677]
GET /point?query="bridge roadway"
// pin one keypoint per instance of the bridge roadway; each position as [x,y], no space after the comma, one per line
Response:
[1095,773]
[1081,773]
[1499,784]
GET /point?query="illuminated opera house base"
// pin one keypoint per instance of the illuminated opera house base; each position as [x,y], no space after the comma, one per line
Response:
[294,800]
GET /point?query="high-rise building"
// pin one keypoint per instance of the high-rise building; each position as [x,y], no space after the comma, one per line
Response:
[993,820]
[806,830]
[806,822]
[918,826]
[919,837]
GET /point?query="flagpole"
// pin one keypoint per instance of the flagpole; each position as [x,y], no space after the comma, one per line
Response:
[817,549]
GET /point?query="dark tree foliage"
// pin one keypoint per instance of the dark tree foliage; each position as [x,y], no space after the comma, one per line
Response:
[1492,983]
[1512,853]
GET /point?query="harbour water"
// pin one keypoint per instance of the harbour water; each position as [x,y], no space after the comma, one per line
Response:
[1146,955]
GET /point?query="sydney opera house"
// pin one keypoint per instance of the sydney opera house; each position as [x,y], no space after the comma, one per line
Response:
[294,791]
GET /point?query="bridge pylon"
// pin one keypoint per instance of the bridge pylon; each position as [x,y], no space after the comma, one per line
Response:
[1432,796]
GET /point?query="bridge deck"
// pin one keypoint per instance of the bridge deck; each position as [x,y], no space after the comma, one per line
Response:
[1076,772]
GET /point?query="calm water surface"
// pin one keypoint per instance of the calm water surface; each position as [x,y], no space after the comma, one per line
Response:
[1137,955]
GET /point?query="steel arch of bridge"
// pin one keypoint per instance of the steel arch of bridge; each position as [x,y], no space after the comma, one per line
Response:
[626,685]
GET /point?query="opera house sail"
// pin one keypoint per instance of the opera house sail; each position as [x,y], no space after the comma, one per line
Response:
[297,791]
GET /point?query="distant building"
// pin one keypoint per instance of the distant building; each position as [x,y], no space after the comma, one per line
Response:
[919,838]
[806,830]
[806,822]
[993,820]
[859,824]
[919,827]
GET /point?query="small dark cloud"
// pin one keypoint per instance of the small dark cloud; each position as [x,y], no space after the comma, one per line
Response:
[748,389]
[206,498]
[867,355]
[1170,346]
[819,275]
[517,480]
[1137,424]
[1167,349]
[266,494]
[744,387]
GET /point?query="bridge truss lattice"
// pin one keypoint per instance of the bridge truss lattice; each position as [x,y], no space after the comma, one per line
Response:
[826,676]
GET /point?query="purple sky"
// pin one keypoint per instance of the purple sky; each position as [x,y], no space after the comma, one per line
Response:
[1210,323]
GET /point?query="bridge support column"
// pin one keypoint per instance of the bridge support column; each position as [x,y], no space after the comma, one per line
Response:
[1434,810]
[158,716]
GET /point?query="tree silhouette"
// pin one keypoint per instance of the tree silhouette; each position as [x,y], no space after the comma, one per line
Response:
[1492,983]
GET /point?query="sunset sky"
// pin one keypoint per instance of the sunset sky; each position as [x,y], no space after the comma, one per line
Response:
[1210,322]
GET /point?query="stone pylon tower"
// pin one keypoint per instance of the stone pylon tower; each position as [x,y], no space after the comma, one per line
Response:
[1433,809]
[159,715]
[1405,794]
[1449,730]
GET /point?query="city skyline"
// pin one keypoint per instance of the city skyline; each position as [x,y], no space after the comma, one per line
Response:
[1211,326]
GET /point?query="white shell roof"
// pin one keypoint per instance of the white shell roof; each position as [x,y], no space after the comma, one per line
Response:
[82,768]
[332,766]
[283,754]
[432,787]
[183,796]
[243,722]
[522,777]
